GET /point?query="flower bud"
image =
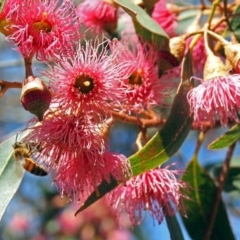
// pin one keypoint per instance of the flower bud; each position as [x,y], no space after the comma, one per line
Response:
[35,96]
[177,47]
[232,52]
[214,67]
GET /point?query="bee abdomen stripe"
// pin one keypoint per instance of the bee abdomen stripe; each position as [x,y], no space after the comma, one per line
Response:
[39,171]
[28,166]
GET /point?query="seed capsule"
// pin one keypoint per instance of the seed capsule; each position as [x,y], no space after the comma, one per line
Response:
[35,96]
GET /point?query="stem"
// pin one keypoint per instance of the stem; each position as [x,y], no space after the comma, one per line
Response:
[200,140]
[208,50]
[225,10]
[221,182]
[218,37]
[203,4]
[7,85]
[214,7]
[182,9]
[28,66]
[144,123]
[141,138]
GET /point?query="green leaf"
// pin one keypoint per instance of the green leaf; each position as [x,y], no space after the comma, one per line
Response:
[227,139]
[145,26]
[102,189]
[201,192]
[174,228]
[10,179]
[164,143]
[2,3]
[233,178]
[235,24]
[149,4]
[185,19]
[168,140]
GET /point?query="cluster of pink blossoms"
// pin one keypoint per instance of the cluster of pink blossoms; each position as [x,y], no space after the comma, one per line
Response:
[86,88]
[88,81]
[44,28]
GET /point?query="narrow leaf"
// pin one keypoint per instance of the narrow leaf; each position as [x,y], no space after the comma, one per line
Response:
[202,192]
[149,5]
[9,178]
[145,26]
[101,190]
[227,139]
[174,228]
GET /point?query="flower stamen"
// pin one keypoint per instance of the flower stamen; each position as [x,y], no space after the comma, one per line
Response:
[43,25]
[135,78]
[84,84]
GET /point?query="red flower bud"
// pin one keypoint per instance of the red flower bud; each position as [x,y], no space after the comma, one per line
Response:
[35,96]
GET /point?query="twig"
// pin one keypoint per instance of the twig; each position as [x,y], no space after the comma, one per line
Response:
[141,138]
[221,182]
[7,85]
[28,66]
[225,10]
[144,123]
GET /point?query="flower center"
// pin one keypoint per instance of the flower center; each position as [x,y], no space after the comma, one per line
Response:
[43,25]
[84,83]
[135,78]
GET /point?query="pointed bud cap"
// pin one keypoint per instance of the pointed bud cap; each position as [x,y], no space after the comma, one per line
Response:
[214,67]
[35,96]
[177,47]
[232,52]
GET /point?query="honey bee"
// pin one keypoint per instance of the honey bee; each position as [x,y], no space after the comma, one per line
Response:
[23,153]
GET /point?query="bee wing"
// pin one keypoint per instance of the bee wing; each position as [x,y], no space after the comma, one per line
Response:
[19,169]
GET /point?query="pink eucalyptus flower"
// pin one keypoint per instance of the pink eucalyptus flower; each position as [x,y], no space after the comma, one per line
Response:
[216,99]
[143,88]
[157,191]
[81,174]
[45,27]
[98,14]
[20,223]
[87,84]
[164,17]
